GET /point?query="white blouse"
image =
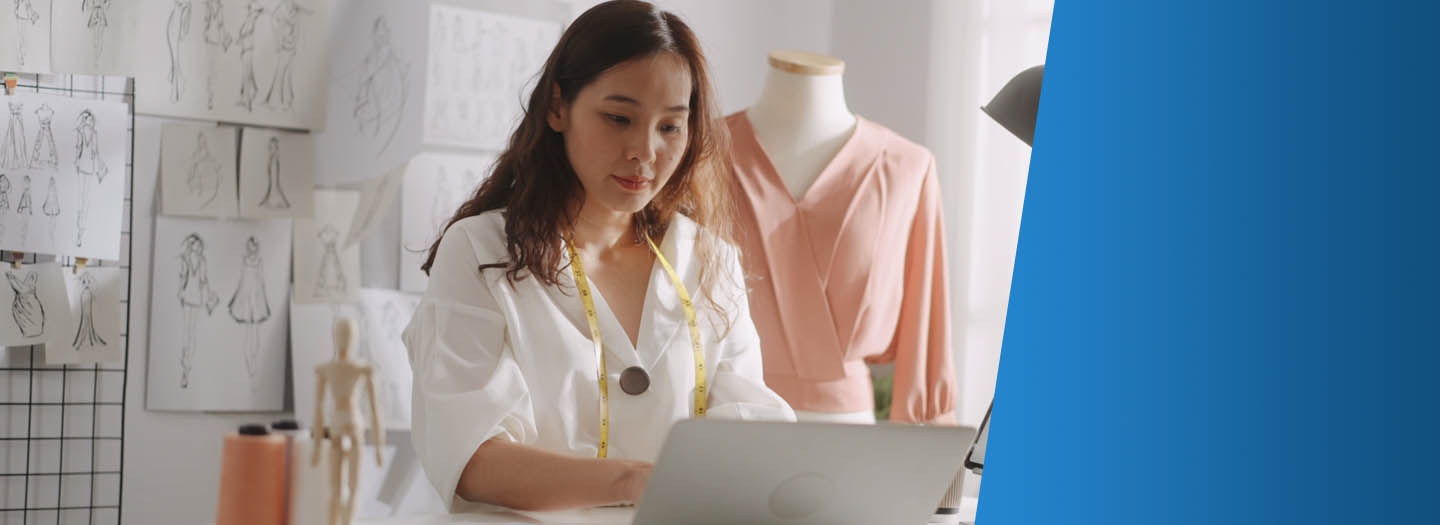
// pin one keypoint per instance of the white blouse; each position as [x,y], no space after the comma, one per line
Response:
[494,359]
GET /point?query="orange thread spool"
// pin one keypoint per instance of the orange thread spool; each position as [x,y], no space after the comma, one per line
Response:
[252,478]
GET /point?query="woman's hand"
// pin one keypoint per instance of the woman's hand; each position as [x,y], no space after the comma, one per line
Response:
[631,484]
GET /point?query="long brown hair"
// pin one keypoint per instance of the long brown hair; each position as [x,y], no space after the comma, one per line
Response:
[535,185]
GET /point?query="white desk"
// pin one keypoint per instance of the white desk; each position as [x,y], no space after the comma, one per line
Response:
[605,516]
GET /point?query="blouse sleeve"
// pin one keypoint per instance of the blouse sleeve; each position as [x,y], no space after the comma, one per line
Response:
[925,383]
[738,389]
[467,385]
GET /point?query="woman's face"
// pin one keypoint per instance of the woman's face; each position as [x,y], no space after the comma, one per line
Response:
[626,132]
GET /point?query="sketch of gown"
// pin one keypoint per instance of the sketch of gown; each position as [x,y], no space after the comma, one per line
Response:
[203,179]
[249,305]
[51,206]
[97,21]
[4,203]
[380,100]
[24,12]
[245,38]
[88,166]
[12,151]
[176,29]
[330,279]
[26,308]
[86,338]
[215,36]
[23,209]
[44,155]
[287,36]
[274,191]
[195,296]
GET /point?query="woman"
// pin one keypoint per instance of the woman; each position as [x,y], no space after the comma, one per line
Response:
[196,297]
[250,306]
[612,179]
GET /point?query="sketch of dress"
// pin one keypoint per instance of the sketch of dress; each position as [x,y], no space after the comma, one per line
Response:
[274,191]
[176,29]
[22,209]
[287,36]
[4,203]
[24,12]
[203,179]
[26,308]
[330,278]
[215,36]
[380,100]
[13,151]
[86,338]
[88,166]
[44,154]
[245,38]
[249,305]
[195,296]
[51,206]
[97,21]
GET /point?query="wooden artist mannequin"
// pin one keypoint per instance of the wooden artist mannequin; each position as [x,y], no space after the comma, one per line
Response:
[343,375]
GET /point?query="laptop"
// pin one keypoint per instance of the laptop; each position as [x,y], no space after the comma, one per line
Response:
[729,472]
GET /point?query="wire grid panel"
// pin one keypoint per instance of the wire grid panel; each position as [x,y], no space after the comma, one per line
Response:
[62,427]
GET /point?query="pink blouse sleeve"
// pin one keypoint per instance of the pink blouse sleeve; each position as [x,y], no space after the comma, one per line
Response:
[925,383]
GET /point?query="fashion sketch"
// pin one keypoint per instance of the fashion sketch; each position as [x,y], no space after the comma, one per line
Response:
[4,203]
[24,12]
[13,153]
[24,210]
[203,178]
[216,37]
[250,306]
[286,25]
[381,98]
[51,206]
[176,29]
[97,20]
[274,191]
[330,278]
[196,298]
[88,167]
[246,40]
[44,154]
[86,338]
[26,308]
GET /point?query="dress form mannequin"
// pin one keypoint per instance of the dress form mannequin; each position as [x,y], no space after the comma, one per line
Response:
[801,118]
[802,121]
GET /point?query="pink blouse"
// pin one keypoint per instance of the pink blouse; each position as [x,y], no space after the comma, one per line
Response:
[853,272]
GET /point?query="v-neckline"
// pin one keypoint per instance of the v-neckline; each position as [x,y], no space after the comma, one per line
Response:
[650,319]
[773,174]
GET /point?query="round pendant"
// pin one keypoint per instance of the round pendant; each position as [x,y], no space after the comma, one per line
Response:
[634,381]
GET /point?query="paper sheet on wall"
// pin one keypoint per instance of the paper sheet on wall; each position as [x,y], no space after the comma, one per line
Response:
[25,36]
[324,271]
[36,310]
[381,316]
[245,61]
[277,174]
[376,196]
[197,170]
[482,67]
[62,175]
[435,185]
[96,37]
[218,315]
[376,88]
[97,305]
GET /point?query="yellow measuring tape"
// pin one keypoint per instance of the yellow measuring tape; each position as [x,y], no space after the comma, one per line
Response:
[578,270]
